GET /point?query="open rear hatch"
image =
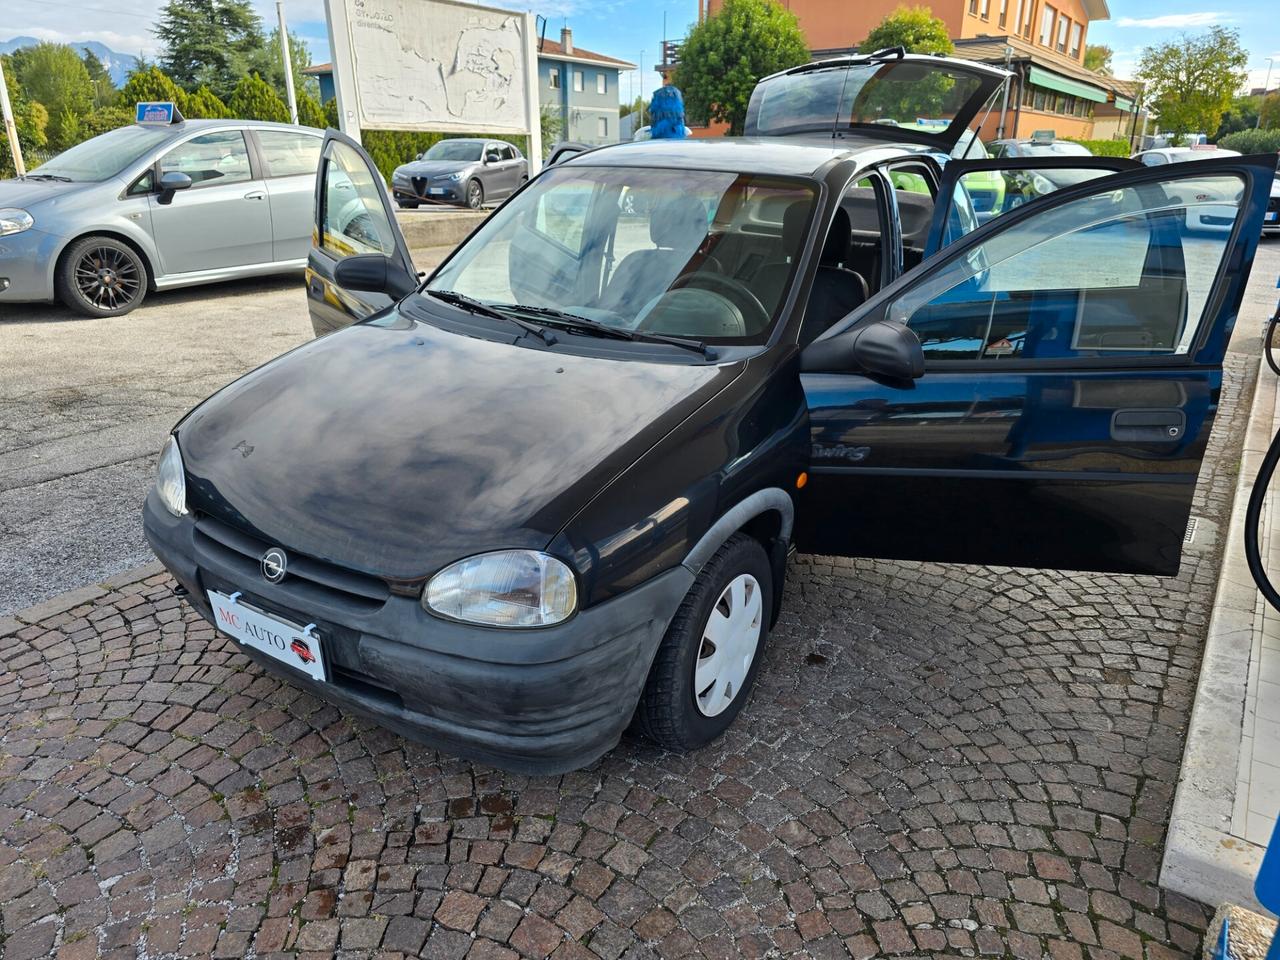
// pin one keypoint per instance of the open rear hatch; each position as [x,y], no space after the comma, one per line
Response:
[887,95]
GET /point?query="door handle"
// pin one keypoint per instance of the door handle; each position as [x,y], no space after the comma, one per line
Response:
[255,195]
[1148,426]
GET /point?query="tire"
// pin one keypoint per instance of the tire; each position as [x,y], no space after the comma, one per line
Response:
[101,277]
[407,204]
[475,194]
[673,712]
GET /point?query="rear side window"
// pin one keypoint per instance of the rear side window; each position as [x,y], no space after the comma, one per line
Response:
[210,158]
[1111,274]
[287,153]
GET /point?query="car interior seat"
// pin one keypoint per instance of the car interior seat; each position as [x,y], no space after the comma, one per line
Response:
[769,282]
[837,290]
[677,228]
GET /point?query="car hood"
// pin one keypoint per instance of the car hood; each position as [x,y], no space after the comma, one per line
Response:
[27,193]
[394,448]
[434,168]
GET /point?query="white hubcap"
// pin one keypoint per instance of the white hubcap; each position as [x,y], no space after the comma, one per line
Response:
[729,642]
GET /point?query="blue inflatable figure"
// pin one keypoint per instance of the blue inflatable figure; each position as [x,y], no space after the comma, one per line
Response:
[666,111]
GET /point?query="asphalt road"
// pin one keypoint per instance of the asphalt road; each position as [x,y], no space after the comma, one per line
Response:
[85,406]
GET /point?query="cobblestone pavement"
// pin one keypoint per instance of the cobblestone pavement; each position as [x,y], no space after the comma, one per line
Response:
[937,759]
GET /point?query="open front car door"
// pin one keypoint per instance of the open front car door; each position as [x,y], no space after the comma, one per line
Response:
[1072,367]
[359,262]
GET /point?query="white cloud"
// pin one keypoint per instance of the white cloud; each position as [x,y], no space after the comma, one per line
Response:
[1175,21]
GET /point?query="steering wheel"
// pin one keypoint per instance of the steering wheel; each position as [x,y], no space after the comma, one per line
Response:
[754,316]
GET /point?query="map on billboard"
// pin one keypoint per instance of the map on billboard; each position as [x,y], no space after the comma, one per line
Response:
[439,65]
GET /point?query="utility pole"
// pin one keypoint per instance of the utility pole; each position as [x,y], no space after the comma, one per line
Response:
[288,63]
[1265,84]
[1008,82]
[641,89]
[10,128]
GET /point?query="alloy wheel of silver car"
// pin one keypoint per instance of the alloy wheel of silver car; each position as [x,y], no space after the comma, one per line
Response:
[107,278]
[729,642]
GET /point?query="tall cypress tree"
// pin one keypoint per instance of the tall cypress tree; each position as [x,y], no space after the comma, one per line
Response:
[209,42]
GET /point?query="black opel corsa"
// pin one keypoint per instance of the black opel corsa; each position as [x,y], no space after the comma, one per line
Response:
[553,487]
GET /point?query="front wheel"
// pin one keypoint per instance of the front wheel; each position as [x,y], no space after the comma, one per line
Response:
[708,659]
[475,195]
[101,277]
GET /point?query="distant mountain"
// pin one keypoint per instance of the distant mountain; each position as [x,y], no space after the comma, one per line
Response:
[117,64]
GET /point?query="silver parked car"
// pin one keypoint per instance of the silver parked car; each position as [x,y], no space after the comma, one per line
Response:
[156,207]
[468,171]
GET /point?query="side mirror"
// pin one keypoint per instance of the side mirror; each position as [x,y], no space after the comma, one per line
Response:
[491,158]
[171,183]
[374,273]
[884,349]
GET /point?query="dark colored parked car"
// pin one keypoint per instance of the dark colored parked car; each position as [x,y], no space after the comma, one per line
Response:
[467,171]
[554,486]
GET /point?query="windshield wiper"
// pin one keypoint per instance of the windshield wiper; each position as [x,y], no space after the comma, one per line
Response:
[572,321]
[472,305]
[48,176]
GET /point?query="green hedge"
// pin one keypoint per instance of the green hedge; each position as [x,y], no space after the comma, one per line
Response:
[1252,141]
[1105,148]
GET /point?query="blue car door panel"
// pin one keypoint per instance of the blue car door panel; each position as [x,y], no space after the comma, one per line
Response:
[1073,367]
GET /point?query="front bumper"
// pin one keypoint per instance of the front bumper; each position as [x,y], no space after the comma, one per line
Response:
[451,191]
[26,266]
[534,701]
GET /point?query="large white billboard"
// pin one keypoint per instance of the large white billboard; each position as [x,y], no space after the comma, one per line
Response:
[434,65]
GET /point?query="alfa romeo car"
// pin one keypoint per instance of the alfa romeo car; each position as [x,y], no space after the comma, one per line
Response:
[548,491]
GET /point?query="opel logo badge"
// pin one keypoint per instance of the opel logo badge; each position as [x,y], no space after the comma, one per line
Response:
[274,565]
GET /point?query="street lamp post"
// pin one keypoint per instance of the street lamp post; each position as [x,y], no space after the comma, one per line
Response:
[288,63]
[1265,84]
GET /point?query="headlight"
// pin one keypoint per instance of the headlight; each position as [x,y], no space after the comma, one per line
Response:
[452,176]
[171,483]
[13,220]
[510,588]
[1042,184]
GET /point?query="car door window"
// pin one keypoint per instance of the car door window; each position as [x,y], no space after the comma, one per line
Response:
[991,193]
[508,152]
[287,153]
[354,218]
[211,158]
[1111,274]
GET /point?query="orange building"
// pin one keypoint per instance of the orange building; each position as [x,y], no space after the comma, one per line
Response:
[1041,41]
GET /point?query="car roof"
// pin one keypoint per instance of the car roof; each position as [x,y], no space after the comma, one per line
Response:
[192,126]
[788,156]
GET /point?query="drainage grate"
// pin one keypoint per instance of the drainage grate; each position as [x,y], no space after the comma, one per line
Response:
[1192,525]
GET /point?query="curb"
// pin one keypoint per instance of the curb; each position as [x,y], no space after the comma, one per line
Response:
[77,597]
[1202,860]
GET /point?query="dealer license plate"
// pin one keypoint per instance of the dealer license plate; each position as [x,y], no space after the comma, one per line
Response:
[1273,216]
[287,642]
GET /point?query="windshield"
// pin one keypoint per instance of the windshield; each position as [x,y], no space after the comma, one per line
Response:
[923,98]
[105,156]
[455,150]
[706,255]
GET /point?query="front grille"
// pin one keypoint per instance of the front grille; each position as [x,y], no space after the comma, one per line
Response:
[420,186]
[1274,205]
[308,578]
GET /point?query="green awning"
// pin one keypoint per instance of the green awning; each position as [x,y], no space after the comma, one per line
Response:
[1123,104]
[1039,77]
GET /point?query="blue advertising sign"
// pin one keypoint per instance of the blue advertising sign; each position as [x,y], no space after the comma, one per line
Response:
[156,113]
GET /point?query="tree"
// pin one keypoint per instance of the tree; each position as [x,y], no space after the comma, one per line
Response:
[108,118]
[1241,115]
[1097,57]
[638,105]
[310,113]
[915,28]
[204,103]
[550,125]
[1270,112]
[253,99]
[64,129]
[1190,81]
[150,84]
[271,67]
[210,42]
[727,53]
[104,88]
[54,75]
[30,117]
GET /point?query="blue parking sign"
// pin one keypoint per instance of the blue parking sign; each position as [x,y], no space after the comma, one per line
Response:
[155,112]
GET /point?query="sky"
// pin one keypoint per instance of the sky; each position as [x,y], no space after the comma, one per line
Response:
[632,30]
